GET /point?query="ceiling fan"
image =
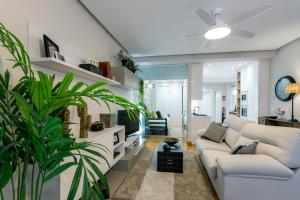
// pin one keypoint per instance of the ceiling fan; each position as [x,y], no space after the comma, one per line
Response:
[220,29]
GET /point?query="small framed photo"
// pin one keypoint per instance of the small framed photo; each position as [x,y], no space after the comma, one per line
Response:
[116,138]
[50,47]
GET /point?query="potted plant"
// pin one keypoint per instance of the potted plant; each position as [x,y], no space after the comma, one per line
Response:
[33,142]
[123,57]
[127,61]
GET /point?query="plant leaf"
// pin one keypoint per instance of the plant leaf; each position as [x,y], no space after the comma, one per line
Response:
[5,174]
[59,170]
[76,180]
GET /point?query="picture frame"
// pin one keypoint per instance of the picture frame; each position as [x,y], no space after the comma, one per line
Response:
[50,47]
[116,138]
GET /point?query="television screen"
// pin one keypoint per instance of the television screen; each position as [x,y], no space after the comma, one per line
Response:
[131,125]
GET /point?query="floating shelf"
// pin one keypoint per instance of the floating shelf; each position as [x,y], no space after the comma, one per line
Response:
[64,67]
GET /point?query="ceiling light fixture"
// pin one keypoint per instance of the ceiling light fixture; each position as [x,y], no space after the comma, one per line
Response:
[218,31]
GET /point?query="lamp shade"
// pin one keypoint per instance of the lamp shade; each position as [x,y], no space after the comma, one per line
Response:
[292,88]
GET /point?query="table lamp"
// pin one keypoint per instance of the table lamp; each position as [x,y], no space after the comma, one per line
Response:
[292,88]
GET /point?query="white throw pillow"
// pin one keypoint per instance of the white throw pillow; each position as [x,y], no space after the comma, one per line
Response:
[231,137]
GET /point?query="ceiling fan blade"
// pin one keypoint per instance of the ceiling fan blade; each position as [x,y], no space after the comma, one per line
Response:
[250,14]
[207,18]
[194,34]
[207,44]
[242,33]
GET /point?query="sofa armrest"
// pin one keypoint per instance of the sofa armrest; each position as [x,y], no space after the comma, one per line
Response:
[254,166]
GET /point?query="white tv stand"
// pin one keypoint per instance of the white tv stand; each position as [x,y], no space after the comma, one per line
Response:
[131,141]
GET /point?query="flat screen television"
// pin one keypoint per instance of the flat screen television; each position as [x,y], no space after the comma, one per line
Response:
[131,125]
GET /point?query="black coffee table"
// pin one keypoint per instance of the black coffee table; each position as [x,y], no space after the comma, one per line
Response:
[170,161]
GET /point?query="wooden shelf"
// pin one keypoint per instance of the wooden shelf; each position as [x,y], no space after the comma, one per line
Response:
[64,67]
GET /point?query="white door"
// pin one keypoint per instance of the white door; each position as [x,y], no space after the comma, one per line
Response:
[169,101]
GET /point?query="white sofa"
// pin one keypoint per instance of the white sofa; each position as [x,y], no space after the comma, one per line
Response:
[273,173]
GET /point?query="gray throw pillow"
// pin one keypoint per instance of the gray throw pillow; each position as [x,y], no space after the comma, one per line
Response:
[245,146]
[215,132]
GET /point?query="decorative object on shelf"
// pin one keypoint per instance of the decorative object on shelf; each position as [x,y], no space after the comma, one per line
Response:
[91,68]
[280,112]
[116,138]
[127,61]
[107,119]
[52,49]
[38,131]
[97,126]
[65,117]
[116,154]
[85,121]
[59,56]
[92,62]
[292,89]
[281,84]
[105,67]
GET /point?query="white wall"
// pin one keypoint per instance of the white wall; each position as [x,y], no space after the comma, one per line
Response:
[263,87]
[79,37]
[249,84]
[286,62]
[70,25]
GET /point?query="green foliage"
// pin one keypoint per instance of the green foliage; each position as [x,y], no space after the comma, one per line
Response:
[31,132]
[127,61]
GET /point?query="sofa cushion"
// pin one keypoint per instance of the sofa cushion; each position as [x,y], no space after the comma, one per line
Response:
[215,132]
[256,166]
[204,144]
[234,122]
[209,157]
[231,137]
[282,143]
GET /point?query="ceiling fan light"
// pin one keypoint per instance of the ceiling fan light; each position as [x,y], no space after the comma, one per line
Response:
[217,32]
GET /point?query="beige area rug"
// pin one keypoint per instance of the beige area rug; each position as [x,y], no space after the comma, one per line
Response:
[145,183]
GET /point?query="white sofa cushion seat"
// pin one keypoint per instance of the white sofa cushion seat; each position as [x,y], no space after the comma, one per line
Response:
[208,158]
[253,166]
[281,143]
[204,144]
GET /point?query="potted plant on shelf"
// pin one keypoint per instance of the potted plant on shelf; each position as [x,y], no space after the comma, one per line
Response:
[127,61]
[34,144]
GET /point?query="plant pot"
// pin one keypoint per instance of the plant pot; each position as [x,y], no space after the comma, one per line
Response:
[124,62]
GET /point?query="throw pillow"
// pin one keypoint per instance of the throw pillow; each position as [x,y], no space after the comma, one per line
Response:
[245,146]
[215,132]
[158,114]
[154,115]
[231,137]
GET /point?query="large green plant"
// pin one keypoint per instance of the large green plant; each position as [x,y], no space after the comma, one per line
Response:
[33,142]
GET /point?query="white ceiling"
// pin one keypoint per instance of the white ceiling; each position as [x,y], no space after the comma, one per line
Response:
[222,72]
[153,27]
